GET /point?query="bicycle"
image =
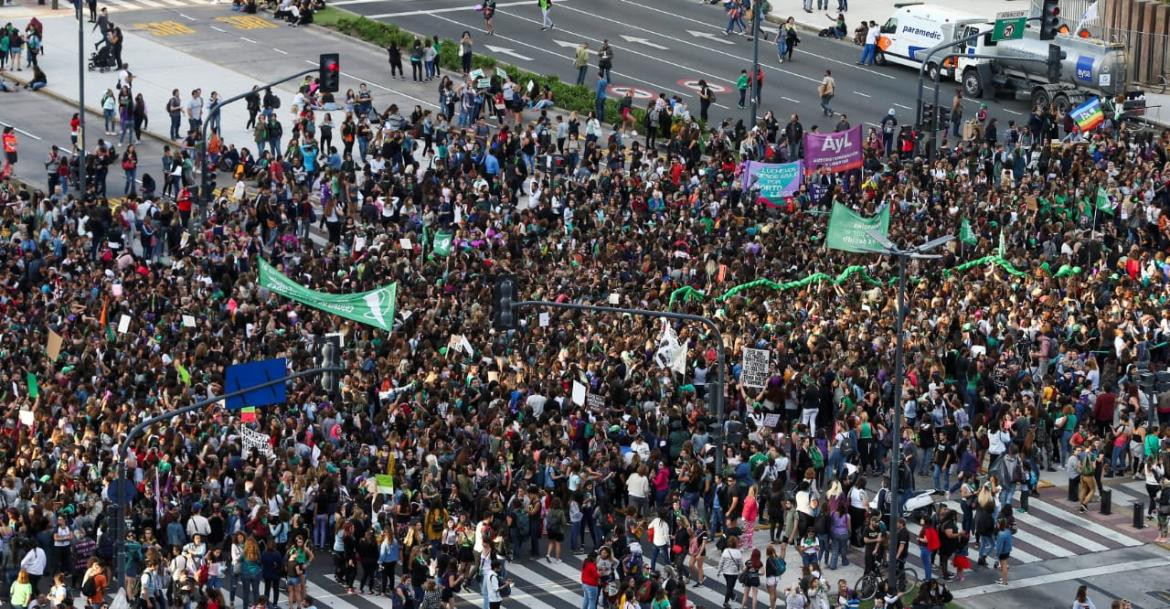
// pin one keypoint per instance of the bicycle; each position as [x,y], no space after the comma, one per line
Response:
[869,583]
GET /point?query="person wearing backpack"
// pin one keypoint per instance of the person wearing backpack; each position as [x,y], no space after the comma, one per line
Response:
[774,568]
[94,583]
[730,565]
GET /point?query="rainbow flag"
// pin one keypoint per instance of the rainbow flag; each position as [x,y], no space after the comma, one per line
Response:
[1088,115]
[248,414]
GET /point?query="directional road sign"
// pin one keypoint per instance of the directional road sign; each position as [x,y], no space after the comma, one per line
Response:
[1009,25]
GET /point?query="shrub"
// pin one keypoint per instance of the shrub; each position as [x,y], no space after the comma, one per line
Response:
[569,97]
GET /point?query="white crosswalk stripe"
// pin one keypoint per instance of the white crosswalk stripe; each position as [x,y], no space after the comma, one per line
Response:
[120,6]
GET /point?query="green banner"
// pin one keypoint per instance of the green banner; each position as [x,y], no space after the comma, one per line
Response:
[442,243]
[966,235]
[373,308]
[849,231]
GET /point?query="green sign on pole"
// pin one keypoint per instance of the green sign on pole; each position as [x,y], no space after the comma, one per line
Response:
[1009,26]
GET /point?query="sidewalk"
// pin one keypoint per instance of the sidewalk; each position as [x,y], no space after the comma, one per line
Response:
[157,69]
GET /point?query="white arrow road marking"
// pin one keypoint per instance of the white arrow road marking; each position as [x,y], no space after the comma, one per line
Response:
[644,42]
[572,45]
[507,51]
[709,36]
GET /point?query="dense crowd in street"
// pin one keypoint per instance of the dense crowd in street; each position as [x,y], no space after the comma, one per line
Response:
[1012,367]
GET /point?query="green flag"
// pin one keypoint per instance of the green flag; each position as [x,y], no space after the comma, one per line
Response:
[1002,244]
[34,390]
[1103,204]
[442,243]
[966,235]
[385,484]
[849,231]
[374,308]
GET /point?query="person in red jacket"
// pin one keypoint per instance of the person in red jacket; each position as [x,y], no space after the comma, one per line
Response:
[590,582]
[184,204]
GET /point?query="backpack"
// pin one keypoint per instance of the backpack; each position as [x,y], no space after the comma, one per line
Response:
[89,587]
[646,591]
[1017,473]
[202,575]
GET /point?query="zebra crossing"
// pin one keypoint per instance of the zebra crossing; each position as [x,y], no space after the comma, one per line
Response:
[1046,532]
[118,6]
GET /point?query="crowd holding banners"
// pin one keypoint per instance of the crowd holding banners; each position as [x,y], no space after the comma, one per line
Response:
[1014,354]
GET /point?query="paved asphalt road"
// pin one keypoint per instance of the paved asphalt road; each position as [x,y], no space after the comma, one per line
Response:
[661,45]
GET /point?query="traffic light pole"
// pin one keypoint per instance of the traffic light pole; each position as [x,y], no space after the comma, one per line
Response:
[119,512]
[717,393]
[204,174]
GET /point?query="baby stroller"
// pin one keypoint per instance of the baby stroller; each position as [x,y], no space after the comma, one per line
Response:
[102,59]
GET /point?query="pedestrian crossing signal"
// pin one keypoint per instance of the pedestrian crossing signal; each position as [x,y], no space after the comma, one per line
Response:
[329,72]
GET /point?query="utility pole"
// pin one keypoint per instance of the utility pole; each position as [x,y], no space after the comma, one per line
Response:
[122,501]
[918,253]
[757,16]
[80,100]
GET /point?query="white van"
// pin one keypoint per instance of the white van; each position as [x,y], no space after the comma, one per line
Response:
[915,28]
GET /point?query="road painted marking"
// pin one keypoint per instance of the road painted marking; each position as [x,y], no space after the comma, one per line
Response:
[789,99]
[21,131]
[122,4]
[570,58]
[246,22]
[639,94]
[219,29]
[454,9]
[164,28]
[644,42]
[246,39]
[182,15]
[280,51]
[903,106]
[1060,533]
[1062,576]
[150,3]
[1084,523]
[694,44]
[712,25]
[709,36]
[508,52]
[565,44]
[862,94]
[1012,112]
[693,84]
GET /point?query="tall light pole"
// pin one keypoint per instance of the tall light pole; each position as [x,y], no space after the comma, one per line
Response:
[80,100]
[917,253]
[757,16]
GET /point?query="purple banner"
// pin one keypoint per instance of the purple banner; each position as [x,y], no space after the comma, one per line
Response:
[838,151]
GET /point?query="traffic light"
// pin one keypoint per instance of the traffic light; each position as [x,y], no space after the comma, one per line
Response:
[1055,58]
[503,295]
[928,117]
[1049,19]
[734,432]
[944,118]
[329,72]
[327,354]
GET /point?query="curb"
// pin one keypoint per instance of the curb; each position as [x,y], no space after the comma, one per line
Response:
[94,110]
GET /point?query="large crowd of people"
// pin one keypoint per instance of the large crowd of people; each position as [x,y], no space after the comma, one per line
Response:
[114,313]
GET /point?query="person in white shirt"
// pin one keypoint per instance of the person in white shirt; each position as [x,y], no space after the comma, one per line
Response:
[33,563]
[491,585]
[638,488]
[198,524]
[660,539]
[641,448]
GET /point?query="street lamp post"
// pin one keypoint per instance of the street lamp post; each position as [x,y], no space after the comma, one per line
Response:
[757,86]
[917,253]
[80,101]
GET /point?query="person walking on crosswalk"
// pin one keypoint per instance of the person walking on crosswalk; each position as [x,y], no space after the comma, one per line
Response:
[545,14]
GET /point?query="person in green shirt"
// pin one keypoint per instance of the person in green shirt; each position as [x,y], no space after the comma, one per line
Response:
[742,85]
[21,591]
[1152,443]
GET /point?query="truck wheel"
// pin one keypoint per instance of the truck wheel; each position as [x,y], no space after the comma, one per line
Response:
[1040,98]
[880,58]
[932,71]
[972,86]
[1062,103]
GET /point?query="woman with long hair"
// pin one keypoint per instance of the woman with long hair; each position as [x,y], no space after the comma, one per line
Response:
[774,567]
[697,551]
[299,557]
[750,515]
[751,583]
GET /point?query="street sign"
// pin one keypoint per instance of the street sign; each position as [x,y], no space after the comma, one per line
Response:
[1009,25]
[1009,29]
